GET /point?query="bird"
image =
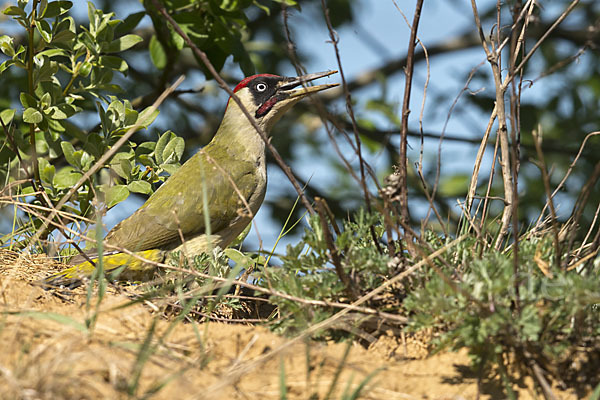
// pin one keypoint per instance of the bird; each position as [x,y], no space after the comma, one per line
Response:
[229,173]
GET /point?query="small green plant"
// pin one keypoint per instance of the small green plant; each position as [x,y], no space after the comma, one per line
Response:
[531,318]
[307,271]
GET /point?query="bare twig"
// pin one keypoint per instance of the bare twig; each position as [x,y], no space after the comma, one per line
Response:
[351,290]
[590,229]
[505,164]
[568,173]
[478,160]
[547,33]
[581,202]
[363,180]
[546,180]
[402,162]
[422,137]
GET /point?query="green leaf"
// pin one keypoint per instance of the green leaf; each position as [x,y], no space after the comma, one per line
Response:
[122,167]
[53,53]
[6,45]
[161,143]
[287,2]
[68,151]
[122,163]
[66,178]
[4,66]
[51,87]
[229,5]
[104,122]
[146,117]
[123,43]
[64,36]
[143,152]
[238,257]
[15,11]
[86,160]
[61,111]
[56,8]
[173,150]
[131,116]
[46,71]
[45,100]
[7,116]
[115,194]
[113,62]
[140,187]
[145,148]
[32,116]
[170,168]
[27,100]
[41,9]
[129,23]
[266,9]
[157,53]
[44,29]
[177,40]
[46,169]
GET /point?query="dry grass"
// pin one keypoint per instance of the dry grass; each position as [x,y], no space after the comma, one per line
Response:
[46,358]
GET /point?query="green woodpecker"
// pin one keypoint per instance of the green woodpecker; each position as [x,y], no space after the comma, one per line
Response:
[230,171]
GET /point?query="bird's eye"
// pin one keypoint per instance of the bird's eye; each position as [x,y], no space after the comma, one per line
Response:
[261,87]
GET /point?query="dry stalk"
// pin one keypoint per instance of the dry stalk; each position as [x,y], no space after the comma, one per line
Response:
[581,202]
[351,290]
[546,179]
[487,197]
[431,196]
[478,160]
[363,179]
[568,173]
[589,232]
[403,161]
[494,60]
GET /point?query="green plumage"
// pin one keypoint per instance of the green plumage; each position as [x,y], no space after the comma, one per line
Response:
[231,170]
[178,203]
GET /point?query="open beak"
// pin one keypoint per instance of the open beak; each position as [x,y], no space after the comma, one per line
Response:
[292,90]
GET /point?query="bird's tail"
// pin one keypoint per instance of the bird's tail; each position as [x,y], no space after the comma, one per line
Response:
[117,266]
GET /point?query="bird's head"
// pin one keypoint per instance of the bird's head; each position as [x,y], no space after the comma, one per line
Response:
[267,97]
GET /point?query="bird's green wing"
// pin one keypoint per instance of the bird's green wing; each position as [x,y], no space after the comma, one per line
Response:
[178,205]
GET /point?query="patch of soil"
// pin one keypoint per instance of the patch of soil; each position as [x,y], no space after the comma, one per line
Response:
[50,352]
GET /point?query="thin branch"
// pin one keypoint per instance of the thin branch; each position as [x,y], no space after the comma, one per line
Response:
[505,164]
[546,180]
[334,253]
[363,180]
[568,173]
[402,162]
[518,69]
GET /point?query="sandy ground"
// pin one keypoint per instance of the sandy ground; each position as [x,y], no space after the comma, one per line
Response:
[48,352]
